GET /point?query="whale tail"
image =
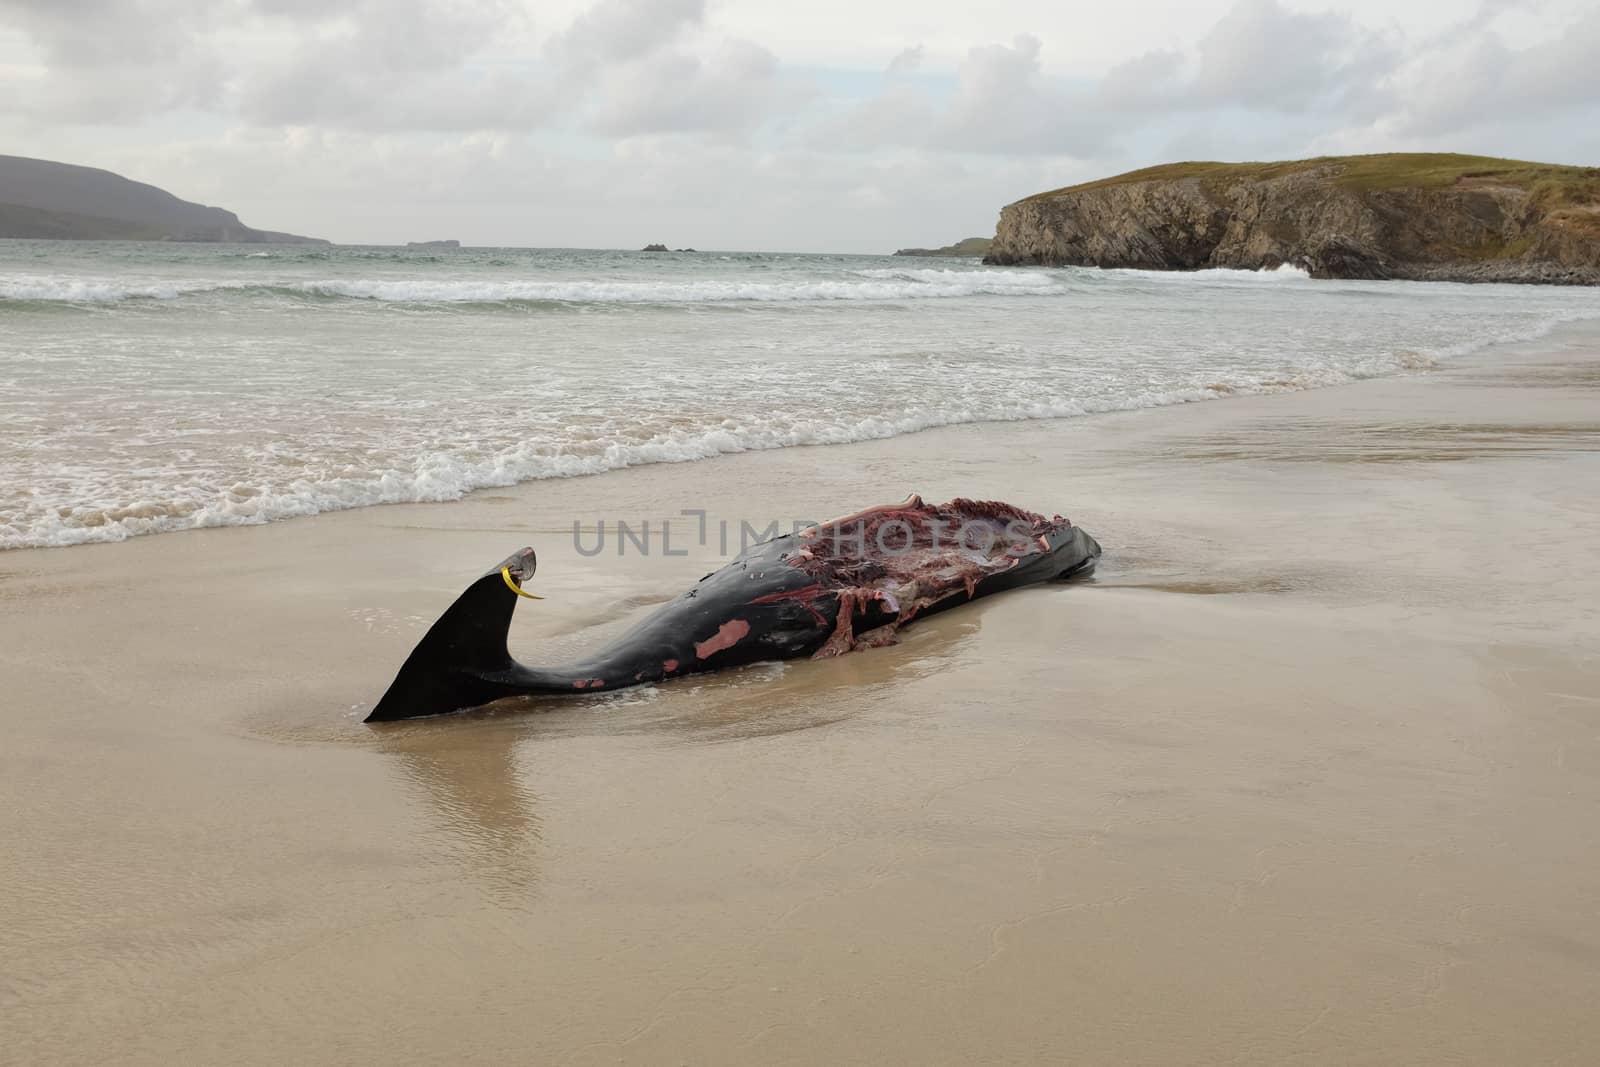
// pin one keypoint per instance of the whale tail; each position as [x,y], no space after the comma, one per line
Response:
[457,662]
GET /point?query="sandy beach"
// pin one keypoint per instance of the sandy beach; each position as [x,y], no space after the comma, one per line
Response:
[1307,774]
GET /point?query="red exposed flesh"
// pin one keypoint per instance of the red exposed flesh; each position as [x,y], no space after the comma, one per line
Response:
[909,556]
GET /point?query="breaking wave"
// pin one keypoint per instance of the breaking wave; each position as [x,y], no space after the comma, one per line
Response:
[183,394]
[869,285]
[265,494]
[1223,275]
[437,476]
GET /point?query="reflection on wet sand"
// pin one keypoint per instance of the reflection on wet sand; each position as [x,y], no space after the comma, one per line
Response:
[1393,443]
[466,777]
[1562,375]
[463,769]
[1204,587]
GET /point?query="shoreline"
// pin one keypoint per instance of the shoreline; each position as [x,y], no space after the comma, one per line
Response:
[1294,776]
[1426,363]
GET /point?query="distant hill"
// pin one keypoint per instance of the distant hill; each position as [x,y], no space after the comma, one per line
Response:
[972,246]
[66,202]
[1425,216]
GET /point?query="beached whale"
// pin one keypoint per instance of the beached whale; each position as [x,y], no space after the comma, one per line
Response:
[825,590]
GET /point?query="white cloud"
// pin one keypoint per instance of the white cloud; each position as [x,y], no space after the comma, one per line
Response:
[1002,105]
[907,60]
[1478,78]
[1146,82]
[1005,105]
[1474,90]
[620,30]
[735,86]
[899,116]
[1264,56]
[832,124]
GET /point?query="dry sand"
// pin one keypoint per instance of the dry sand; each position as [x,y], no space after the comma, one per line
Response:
[1309,774]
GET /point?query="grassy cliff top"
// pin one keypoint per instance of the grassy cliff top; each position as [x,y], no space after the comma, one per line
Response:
[1391,170]
[969,246]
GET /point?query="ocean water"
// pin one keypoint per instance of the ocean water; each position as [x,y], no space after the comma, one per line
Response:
[155,387]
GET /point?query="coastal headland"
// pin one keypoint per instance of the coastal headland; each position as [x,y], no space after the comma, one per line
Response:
[41,199]
[1421,216]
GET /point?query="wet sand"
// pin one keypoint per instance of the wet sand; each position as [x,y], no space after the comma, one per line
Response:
[1309,773]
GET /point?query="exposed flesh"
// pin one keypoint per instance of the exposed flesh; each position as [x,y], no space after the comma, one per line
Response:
[908,557]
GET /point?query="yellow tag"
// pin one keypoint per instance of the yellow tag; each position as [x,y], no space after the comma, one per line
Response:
[505,572]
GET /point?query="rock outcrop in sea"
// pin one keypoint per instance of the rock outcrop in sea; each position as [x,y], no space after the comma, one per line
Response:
[1415,216]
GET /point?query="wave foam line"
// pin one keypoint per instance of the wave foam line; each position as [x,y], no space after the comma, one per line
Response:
[891,285]
[1284,272]
[439,476]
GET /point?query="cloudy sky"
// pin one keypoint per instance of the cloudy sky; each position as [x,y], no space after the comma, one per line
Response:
[843,125]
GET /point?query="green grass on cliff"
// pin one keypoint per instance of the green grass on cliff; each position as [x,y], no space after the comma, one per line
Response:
[1557,185]
[18,221]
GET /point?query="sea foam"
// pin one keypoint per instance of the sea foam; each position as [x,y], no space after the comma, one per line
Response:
[194,393]
[863,286]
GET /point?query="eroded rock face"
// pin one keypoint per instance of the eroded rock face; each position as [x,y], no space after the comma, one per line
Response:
[1470,231]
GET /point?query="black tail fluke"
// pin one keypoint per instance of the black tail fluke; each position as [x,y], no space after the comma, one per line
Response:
[462,660]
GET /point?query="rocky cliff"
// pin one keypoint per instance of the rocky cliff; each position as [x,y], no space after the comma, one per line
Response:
[1432,217]
[65,202]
